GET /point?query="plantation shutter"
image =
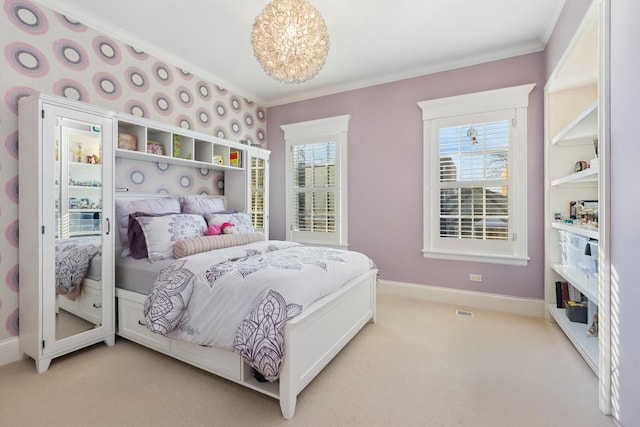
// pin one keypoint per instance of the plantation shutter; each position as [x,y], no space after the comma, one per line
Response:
[475,176]
[474,180]
[314,187]
[258,166]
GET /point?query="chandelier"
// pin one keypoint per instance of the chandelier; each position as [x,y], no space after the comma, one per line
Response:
[290,40]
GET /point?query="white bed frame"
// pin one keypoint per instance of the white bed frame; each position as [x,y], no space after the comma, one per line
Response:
[312,338]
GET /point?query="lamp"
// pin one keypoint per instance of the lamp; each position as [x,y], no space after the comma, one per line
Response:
[290,40]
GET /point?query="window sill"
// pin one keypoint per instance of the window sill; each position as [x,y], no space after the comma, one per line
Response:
[469,257]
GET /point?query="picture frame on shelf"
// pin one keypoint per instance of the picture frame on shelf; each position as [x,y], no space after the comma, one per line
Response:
[126,141]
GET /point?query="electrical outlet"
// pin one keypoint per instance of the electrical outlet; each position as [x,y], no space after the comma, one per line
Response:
[475,278]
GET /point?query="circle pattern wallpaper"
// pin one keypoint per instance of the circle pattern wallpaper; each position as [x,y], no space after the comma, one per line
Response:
[44,51]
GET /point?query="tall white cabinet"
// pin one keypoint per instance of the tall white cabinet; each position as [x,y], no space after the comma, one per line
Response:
[576,196]
[66,198]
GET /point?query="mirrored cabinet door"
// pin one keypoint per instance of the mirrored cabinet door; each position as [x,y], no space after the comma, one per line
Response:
[66,226]
[78,225]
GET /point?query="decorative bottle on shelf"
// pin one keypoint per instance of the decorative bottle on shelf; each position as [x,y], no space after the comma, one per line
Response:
[79,153]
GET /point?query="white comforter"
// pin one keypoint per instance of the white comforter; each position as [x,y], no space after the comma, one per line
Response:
[239,298]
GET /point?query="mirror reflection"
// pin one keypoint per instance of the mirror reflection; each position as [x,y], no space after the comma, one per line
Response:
[78,236]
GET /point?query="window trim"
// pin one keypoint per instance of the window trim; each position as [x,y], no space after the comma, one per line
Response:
[336,129]
[513,98]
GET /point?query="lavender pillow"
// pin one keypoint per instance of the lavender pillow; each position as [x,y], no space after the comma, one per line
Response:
[200,205]
[226,211]
[162,232]
[124,207]
[137,242]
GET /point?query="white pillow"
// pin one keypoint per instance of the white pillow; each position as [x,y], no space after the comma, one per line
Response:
[241,220]
[201,205]
[125,207]
[162,232]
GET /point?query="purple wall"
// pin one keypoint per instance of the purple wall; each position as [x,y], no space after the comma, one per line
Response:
[568,23]
[625,232]
[385,173]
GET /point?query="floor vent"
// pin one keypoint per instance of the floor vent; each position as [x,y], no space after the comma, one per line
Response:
[464,313]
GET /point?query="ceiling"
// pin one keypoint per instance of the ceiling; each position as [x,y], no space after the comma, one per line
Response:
[371,41]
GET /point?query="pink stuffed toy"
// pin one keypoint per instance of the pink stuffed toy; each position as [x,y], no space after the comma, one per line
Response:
[213,230]
[228,228]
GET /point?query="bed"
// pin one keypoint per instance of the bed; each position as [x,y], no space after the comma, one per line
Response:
[311,338]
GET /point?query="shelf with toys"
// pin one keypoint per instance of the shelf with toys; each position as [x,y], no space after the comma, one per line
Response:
[145,140]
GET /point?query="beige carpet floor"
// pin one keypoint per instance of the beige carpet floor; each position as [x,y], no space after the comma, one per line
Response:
[421,364]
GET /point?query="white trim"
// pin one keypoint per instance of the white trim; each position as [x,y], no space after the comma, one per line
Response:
[315,128]
[10,351]
[607,333]
[473,103]
[512,102]
[531,307]
[310,132]
[399,75]
[473,257]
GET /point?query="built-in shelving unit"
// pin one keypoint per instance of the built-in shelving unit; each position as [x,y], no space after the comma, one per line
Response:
[585,125]
[245,167]
[574,251]
[587,175]
[145,140]
[586,346]
[577,229]
[579,280]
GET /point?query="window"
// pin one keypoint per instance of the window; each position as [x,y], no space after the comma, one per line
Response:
[257,170]
[475,176]
[316,181]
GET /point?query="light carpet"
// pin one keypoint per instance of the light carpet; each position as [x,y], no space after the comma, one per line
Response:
[421,364]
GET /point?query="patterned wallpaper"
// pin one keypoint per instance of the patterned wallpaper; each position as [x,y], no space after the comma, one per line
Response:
[158,177]
[47,52]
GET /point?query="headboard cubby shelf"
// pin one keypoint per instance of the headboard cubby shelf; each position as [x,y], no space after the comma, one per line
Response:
[144,140]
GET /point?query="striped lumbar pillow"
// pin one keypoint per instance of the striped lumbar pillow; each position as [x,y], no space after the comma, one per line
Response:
[197,245]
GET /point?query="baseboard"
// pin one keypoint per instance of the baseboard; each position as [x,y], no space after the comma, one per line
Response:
[9,351]
[465,299]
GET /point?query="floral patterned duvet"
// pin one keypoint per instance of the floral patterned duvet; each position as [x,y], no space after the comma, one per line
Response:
[239,298]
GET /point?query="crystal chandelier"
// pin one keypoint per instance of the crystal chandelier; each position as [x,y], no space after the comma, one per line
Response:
[290,40]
